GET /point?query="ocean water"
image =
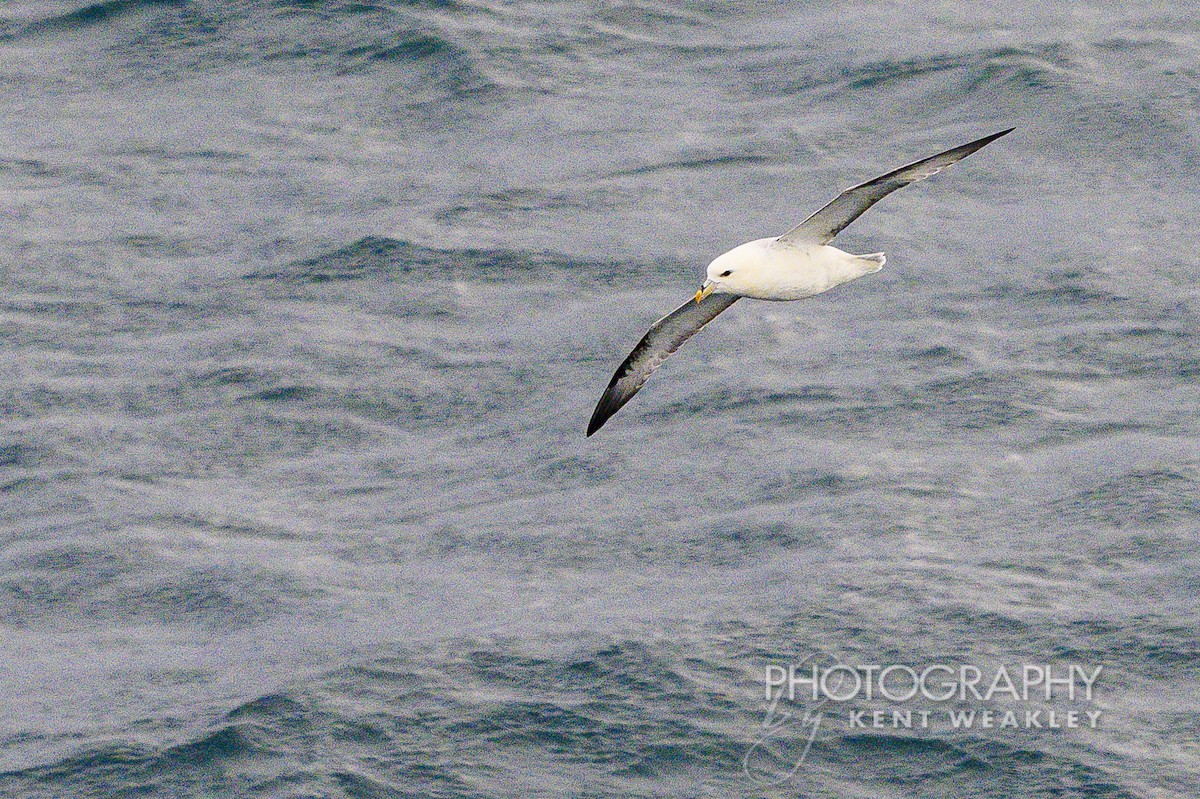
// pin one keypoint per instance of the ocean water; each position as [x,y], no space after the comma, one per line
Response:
[304,307]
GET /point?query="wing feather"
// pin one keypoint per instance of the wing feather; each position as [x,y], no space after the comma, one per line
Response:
[821,227]
[664,337]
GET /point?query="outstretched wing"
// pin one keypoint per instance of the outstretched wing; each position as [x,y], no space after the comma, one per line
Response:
[664,337]
[821,227]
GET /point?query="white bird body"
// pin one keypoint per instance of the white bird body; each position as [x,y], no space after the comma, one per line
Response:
[769,269]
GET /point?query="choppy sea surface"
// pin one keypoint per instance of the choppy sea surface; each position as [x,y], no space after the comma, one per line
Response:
[304,307]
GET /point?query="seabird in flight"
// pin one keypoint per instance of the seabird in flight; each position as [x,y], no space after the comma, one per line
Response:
[794,266]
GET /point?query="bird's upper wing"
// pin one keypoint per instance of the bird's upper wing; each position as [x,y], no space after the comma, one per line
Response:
[664,337]
[821,227]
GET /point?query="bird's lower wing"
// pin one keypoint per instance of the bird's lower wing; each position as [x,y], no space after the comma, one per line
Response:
[664,337]
[821,227]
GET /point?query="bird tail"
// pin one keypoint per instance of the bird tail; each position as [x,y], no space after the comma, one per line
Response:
[873,262]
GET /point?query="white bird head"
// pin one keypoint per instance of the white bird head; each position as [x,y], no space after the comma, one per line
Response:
[737,271]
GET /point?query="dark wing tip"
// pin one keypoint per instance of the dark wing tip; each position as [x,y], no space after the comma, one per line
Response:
[609,403]
[979,144]
[598,420]
[962,151]
[989,139]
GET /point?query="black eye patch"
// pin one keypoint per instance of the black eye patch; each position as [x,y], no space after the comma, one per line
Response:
[726,273]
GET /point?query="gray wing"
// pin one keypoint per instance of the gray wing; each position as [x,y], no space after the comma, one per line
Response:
[821,227]
[664,337]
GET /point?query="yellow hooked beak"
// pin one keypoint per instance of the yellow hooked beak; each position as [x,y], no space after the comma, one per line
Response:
[705,290]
